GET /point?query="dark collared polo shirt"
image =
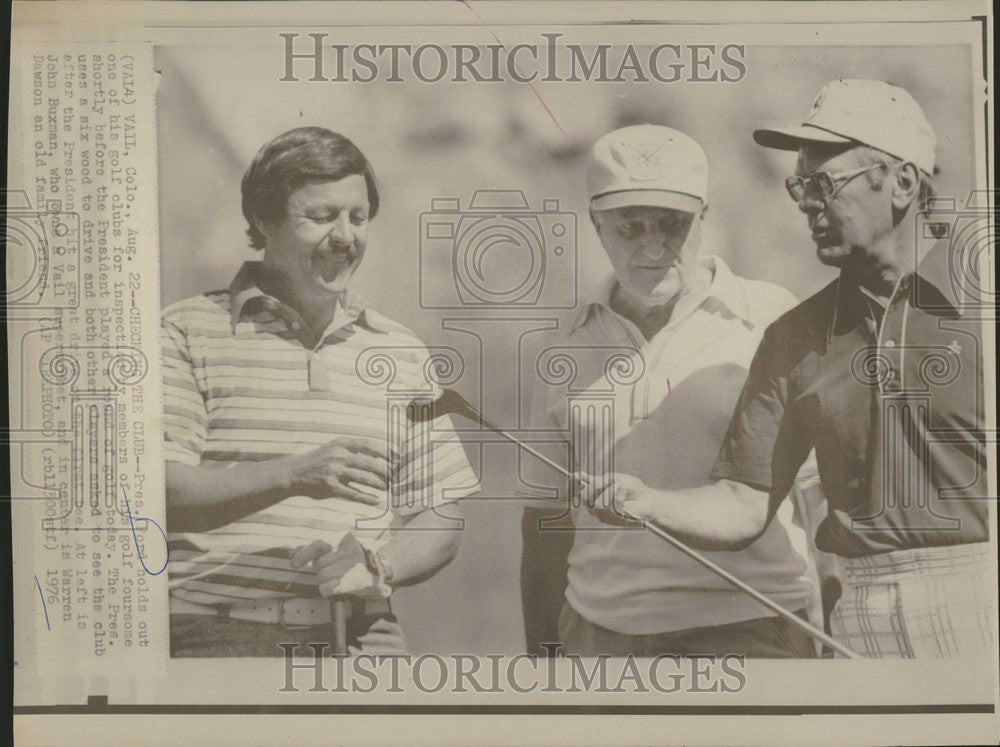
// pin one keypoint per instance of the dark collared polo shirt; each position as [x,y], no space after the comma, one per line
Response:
[892,401]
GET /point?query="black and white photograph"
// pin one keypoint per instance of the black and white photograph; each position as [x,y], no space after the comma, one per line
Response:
[431,360]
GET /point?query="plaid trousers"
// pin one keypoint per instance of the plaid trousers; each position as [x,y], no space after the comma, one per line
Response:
[933,602]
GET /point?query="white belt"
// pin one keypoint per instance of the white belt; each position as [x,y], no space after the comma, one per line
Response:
[288,612]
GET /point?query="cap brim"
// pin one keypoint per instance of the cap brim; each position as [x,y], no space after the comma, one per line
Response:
[792,138]
[647,197]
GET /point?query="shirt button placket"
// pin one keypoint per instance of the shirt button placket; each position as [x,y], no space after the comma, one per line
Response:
[889,349]
[319,380]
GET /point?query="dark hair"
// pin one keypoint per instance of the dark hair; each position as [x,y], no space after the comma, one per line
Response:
[292,159]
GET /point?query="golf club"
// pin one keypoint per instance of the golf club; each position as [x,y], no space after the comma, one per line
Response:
[452,403]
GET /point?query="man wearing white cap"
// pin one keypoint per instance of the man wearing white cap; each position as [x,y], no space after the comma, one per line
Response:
[685,327]
[882,376]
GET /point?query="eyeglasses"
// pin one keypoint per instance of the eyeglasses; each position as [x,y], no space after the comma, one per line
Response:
[669,223]
[823,183]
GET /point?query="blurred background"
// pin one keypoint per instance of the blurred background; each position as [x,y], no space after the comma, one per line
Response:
[217,106]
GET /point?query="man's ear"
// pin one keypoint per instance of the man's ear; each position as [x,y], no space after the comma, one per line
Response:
[260,224]
[906,186]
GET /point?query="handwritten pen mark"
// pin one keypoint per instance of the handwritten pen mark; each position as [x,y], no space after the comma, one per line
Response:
[45,609]
[135,539]
[530,85]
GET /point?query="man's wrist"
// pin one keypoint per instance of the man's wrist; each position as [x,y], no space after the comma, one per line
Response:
[271,478]
[278,475]
[660,502]
[650,508]
[663,507]
[286,477]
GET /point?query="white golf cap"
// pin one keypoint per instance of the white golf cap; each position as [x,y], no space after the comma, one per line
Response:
[647,165]
[870,112]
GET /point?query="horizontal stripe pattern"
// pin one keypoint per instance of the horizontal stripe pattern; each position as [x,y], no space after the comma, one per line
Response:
[242,393]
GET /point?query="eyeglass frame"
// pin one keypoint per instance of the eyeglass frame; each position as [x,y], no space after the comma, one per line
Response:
[839,180]
[668,224]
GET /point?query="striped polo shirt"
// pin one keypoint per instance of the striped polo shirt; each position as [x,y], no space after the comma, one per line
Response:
[242,383]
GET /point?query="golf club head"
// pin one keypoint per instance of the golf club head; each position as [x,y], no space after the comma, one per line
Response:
[449,403]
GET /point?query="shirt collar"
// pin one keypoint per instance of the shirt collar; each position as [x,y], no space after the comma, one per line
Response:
[930,288]
[724,290]
[867,294]
[854,304]
[936,288]
[245,294]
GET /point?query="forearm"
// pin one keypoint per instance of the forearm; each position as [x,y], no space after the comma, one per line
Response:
[725,515]
[206,497]
[425,544]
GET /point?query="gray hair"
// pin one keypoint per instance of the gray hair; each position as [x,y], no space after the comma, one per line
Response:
[870,156]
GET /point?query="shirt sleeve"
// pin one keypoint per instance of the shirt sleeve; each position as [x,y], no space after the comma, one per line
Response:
[764,445]
[185,417]
[433,468]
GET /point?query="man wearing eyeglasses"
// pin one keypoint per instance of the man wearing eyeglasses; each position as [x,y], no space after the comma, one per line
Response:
[661,353]
[880,374]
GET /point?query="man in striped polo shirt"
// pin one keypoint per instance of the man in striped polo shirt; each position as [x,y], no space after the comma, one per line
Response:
[282,476]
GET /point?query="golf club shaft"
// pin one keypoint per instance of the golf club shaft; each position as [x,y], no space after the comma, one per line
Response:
[338,606]
[690,552]
[534,452]
[770,604]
